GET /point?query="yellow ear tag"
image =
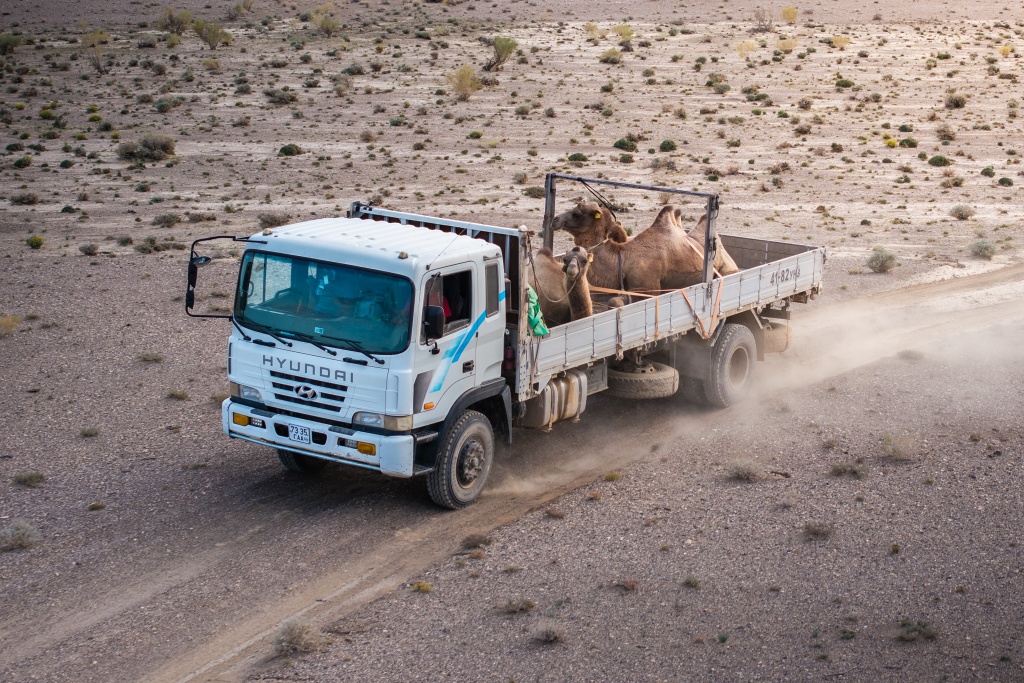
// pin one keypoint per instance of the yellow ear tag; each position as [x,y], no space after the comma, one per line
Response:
[597,215]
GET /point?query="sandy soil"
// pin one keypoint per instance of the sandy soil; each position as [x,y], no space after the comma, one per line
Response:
[167,552]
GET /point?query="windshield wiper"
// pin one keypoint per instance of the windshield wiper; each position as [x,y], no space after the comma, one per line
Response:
[309,338]
[265,330]
[357,346]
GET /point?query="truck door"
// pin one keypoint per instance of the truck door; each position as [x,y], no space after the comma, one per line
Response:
[449,363]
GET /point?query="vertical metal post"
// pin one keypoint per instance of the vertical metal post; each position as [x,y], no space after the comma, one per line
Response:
[549,210]
[710,244]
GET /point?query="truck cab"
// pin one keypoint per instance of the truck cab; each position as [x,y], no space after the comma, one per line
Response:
[356,345]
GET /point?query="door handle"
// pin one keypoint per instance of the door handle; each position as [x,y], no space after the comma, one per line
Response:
[468,366]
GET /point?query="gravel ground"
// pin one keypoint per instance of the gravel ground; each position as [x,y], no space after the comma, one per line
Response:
[698,563]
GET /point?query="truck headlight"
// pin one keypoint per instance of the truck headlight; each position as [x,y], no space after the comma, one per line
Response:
[394,423]
[243,391]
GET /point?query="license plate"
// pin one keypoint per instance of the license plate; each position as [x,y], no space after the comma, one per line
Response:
[298,433]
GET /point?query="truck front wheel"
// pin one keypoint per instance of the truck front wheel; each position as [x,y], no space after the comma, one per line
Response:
[297,462]
[733,359]
[463,462]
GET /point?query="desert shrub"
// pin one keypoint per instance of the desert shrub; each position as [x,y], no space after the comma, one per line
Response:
[211,33]
[762,21]
[818,531]
[8,41]
[89,249]
[840,42]
[549,634]
[167,220]
[503,47]
[8,323]
[610,56]
[35,242]
[174,22]
[961,212]
[1005,182]
[297,636]
[534,192]
[787,45]
[464,82]
[956,100]
[31,479]
[988,172]
[944,132]
[854,469]
[939,160]
[152,147]
[912,631]
[272,220]
[578,158]
[625,144]
[289,150]
[594,32]
[881,260]
[25,199]
[23,162]
[747,470]
[667,146]
[167,103]
[788,14]
[211,64]
[354,69]
[19,535]
[844,83]
[281,95]
[908,142]
[745,48]
[983,249]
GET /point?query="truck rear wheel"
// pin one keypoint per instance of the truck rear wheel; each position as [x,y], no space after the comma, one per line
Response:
[297,462]
[692,390]
[733,359]
[463,462]
[652,380]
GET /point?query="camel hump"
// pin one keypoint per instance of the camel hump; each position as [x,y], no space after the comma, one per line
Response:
[545,251]
[669,218]
[616,233]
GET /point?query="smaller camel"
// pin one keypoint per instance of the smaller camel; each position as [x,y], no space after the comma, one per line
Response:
[664,256]
[561,285]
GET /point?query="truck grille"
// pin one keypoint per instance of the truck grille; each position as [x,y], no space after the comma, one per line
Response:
[326,400]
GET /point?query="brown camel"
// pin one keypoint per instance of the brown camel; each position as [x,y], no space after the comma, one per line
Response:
[664,256]
[561,285]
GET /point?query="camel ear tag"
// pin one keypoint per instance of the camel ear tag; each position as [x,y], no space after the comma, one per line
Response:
[597,215]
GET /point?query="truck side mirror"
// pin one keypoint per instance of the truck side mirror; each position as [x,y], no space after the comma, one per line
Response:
[434,322]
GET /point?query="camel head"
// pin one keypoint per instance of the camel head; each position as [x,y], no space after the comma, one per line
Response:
[575,263]
[590,224]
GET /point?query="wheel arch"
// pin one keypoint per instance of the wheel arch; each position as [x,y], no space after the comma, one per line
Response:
[493,400]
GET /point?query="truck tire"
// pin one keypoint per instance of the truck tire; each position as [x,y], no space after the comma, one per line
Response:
[297,462]
[463,462]
[655,380]
[692,390]
[733,359]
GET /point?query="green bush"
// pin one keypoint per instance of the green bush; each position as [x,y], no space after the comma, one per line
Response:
[578,157]
[611,56]
[988,172]
[22,162]
[1006,182]
[90,249]
[289,150]
[625,144]
[908,142]
[844,83]
[281,95]
[152,147]
[167,220]
[881,261]
[35,242]
[8,41]
[503,47]
[534,192]
[956,101]
[667,146]
[983,249]
[939,160]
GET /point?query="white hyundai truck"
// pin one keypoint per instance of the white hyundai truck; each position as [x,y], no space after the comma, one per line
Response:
[401,343]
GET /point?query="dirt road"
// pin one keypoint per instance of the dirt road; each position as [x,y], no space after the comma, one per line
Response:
[191,588]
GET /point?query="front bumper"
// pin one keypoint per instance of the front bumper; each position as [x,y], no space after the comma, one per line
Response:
[394,454]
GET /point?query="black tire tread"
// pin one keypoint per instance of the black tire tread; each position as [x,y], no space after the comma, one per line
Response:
[439,479]
[659,384]
[717,388]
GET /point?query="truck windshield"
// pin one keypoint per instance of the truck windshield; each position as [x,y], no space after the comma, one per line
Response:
[334,304]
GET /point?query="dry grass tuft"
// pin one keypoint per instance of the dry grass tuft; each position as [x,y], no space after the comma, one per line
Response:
[912,631]
[855,469]
[747,470]
[19,535]
[421,587]
[8,323]
[555,513]
[818,531]
[298,636]
[476,541]
[28,479]
[549,634]
[903,448]
[517,606]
